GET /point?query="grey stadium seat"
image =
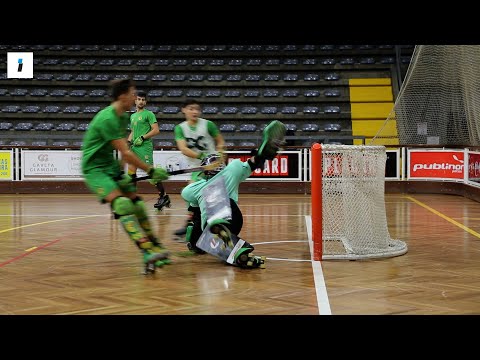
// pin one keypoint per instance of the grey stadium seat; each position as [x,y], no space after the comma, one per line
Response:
[229,110]
[24,126]
[31,109]
[310,127]
[249,110]
[44,127]
[65,127]
[171,110]
[332,127]
[11,109]
[227,127]
[166,127]
[60,143]
[91,109]
[6,126]
[331,110]
[210,110]
[82,127]
[18,143]
[310,110]
[248,128]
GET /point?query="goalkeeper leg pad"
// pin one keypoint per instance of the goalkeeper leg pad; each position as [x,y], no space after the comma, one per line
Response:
[219,227]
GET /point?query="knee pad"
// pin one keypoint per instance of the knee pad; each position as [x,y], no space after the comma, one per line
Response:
[122,206]
[139,206]
[241,257]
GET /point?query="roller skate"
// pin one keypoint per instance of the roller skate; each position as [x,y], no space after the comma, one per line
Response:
[179,234]
[151,257]
[158,248]
[163,201]
[193,248]
[255,261]
[245,259]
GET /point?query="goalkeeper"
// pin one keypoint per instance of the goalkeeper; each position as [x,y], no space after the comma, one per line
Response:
[104,177]
[213,201]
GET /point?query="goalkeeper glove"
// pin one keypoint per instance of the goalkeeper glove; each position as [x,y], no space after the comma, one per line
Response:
[158,174]
[201,156]
[125,180]
[139,141]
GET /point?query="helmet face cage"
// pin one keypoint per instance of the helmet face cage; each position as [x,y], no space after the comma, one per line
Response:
[209,159]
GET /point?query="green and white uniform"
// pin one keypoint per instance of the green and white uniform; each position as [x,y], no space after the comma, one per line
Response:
[233,174]
[199,138]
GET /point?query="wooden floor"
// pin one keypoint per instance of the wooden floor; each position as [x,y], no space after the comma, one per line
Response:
[63,254]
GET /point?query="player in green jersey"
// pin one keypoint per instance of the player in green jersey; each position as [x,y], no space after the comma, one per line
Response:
[104,176]
[144,127]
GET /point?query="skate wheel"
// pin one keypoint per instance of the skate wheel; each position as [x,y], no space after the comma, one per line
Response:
[149,269]
[160,263]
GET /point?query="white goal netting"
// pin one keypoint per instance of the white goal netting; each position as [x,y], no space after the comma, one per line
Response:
[354,221]
[439,100]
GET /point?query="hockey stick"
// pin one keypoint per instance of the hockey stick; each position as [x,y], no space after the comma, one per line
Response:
[211,166]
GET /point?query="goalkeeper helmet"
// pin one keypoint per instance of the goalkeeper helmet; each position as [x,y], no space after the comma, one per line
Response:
[210,159]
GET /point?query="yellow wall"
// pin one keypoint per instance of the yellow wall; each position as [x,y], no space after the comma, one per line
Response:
[369,128]
[371,102]
[371,110]
[371,94]
[370,81]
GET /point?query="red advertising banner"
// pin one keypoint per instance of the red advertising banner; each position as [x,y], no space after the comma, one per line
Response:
[276,167]
[446,164]
[285,166]
[474,166]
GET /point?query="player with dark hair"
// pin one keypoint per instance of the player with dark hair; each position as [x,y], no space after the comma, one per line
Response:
[196,138]
[144,127]
[213,201]
[104,175]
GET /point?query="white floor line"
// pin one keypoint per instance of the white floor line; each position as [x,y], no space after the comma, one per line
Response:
[320,288]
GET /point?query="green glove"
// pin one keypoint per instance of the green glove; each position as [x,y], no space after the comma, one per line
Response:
[125,180]
[139,141]
[158,174]
[201,156]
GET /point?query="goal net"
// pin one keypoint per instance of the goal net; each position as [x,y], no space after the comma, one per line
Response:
[348,204]
[439,100]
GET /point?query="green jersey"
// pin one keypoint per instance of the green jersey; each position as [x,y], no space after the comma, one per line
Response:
[97,150]
[233,174]
[141,123]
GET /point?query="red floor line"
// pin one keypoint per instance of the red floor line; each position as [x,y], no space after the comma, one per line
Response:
[41,247]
